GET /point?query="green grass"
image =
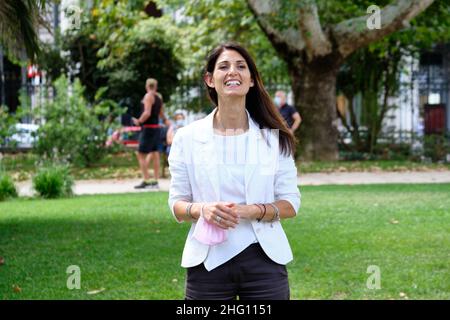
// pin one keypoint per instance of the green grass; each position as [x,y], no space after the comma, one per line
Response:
[369,166]
[130,245]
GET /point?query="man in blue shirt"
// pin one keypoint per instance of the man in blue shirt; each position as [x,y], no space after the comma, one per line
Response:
[289,113]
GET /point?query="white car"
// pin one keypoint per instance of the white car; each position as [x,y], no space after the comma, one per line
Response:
[24,137]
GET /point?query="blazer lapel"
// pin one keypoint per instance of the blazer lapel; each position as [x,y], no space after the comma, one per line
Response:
[205,159]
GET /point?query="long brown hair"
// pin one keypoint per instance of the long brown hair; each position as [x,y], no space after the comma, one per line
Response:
[258,101]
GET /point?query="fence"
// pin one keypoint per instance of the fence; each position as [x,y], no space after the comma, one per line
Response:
[31,98]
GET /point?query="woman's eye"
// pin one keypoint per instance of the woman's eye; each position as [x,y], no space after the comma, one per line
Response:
[242,66]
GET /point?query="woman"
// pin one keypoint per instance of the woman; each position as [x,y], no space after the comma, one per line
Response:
[234,170]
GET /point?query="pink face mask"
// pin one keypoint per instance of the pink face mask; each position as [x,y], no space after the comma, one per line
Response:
[208,233]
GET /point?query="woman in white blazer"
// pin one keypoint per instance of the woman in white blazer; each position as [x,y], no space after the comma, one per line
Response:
[233,176]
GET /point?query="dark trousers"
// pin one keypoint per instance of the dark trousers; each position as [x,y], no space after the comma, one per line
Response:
[251,275]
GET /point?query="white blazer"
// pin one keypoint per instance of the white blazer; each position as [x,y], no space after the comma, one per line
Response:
[269,176]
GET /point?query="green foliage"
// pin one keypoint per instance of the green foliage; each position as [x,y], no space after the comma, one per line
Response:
[208,23]
[83,49]
[147,52]
[120,47]
[53,182]
[373,73]
[7,129]
[74,131]
[7,187]
[436,146]
[52,62]
[19,20]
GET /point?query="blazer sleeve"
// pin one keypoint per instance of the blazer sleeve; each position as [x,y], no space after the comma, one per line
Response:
[180,186]
[286,182]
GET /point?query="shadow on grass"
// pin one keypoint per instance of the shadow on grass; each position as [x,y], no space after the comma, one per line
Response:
[131,259]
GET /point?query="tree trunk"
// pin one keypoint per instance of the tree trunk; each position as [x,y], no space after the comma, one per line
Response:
[314,88]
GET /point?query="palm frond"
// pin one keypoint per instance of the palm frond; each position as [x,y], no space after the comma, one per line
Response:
[19,21]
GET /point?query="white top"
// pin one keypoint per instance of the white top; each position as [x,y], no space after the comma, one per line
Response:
[231,151]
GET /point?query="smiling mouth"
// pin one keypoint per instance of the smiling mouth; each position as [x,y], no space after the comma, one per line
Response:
[232,83]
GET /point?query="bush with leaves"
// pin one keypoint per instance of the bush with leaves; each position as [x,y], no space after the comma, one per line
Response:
[436,146]
[7,187]
[7,129]
[53,182]
[74,131]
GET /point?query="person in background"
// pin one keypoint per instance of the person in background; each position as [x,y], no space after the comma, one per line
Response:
[152,111]
[165,126]
[289,113]
[179,122]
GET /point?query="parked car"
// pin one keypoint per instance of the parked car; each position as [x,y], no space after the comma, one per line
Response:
[127,136]
[25,135]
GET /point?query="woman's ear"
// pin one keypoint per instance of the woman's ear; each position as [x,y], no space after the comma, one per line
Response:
[252,83]
[208,80]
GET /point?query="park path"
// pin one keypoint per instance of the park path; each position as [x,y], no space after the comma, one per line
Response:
[110,186]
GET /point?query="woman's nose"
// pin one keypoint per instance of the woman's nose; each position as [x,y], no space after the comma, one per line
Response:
[233,70]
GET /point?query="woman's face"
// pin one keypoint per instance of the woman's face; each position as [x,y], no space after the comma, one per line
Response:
[231,75]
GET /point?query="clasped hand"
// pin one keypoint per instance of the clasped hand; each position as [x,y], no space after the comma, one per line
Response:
[224,214]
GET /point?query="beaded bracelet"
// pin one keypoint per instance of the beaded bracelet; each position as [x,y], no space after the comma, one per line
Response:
[276,215]
[188,210]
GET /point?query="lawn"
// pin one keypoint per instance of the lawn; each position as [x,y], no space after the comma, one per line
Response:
[129,247]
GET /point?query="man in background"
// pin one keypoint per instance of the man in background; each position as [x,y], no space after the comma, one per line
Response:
[289,113]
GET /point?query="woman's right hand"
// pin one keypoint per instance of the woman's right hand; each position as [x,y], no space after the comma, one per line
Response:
[221,214]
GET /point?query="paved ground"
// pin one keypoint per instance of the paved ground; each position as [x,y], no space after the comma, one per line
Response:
[122,186]
[374,177]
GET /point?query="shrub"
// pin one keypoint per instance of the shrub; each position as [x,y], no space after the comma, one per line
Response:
[7,129]
[53,182]
[7,187]
[436,146]
[399,151]
[74,131]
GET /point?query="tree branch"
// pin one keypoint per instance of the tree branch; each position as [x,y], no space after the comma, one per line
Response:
[353,34]
[290,38]
[316,41]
